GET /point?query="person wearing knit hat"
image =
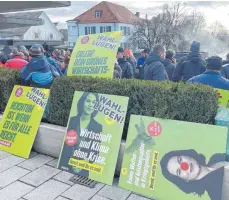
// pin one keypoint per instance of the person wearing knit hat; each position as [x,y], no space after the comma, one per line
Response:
[17,61]
[190,65]
[212,76]
[38,71]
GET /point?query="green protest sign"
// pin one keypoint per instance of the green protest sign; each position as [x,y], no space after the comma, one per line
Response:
[93,136]
[167,159]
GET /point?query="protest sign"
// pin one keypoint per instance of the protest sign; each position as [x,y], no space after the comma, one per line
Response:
[167,159]
[223,97]
[21,119]
[92,141]
[95,55]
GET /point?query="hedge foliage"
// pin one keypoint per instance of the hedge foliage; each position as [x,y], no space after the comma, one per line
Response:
[179,101]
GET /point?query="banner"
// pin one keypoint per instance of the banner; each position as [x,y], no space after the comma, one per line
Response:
[166,159]
[223,97]
[91,144]
[21,119]
[95,55]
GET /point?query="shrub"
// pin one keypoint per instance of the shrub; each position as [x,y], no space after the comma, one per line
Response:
[8,78]
[178,101]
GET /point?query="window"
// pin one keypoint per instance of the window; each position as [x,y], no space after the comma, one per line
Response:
[73,27]
[128,30]
[51,36]
[104,29]
[125,30]
[98,13]
[90,30]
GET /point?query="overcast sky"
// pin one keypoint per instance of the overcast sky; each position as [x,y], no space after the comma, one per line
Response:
[217,10]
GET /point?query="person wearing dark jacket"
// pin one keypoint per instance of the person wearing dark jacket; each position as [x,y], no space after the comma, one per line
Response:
[38,71]
[127,69]
[190,65]
[169,63]
[225,69]
[117,71]
[212,76]
[154,68]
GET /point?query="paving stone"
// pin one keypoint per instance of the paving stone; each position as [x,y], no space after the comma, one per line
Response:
[79,192]
[9,162]
[225,191]
[53,163]
[4,154]
[136,197]
[15,191]
[9,176]
[97,197]
[35,162]
[64,177]
[40,175]
[32,154]
[226,175]
[61,198]
[114,193]
[48,191]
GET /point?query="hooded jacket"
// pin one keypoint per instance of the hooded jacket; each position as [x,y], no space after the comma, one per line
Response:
[190,65]
[154,68]
[38,71]
[127,69]
[169,67]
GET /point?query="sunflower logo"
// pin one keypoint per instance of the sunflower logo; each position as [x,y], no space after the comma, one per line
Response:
[108,120]
[124,171]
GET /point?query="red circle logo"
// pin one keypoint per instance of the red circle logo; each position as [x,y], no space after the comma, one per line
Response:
[71,138]
[85,40]
[18,92]
[154,129]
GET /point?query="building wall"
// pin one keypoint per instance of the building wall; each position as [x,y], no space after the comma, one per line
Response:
[47,31]
[75,30]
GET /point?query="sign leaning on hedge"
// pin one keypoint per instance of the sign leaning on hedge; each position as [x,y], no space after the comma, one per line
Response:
[21,119]
[223,97]
[94,132]
[185,159]
[94,55]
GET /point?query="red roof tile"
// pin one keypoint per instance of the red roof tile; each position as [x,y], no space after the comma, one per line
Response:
[111,13]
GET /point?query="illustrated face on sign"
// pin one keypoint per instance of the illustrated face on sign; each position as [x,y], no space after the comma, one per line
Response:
[89,104]
[184,167]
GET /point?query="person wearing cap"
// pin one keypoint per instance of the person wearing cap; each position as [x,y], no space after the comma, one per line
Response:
[17,61]
[38,71]
[127,69]
[190,65]
[169,62]
[141,62]
[212,76]
[154,68]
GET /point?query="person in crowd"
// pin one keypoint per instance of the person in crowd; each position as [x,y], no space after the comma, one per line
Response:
[190,65]
[17,61]
[188,170]
[127,68]
[24,50]
[67,58]
[141,62]
[117,71]
[212,76]
[128,54]
[2,60]
[154,68]
[7,51]
[169,62]
[227,59]
[60,62]
[38,71]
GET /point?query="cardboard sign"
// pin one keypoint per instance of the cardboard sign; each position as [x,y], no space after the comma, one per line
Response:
[166,159]
[94,132]
[95,55]
[21,119]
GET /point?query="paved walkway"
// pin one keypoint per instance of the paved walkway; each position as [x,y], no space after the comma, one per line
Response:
[38,179]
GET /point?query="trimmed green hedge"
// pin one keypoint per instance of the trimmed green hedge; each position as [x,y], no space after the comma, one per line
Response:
[179,101]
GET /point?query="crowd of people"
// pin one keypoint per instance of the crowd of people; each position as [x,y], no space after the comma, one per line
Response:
[40,65]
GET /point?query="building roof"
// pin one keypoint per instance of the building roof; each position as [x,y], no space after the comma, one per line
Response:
[111,13]
[20,31]
[23,15]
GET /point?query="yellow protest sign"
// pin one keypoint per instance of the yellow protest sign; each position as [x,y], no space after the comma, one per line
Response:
[223,97]
[95,55]
[21,119]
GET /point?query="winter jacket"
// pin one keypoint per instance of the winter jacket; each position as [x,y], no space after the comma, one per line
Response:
[117,71]
[140,64]
[189,66]
[169,67]
[53,62]
[225,71]
[133,64]
[211,78]
[16,63]
[38,71]
[154,68]
[127,69]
